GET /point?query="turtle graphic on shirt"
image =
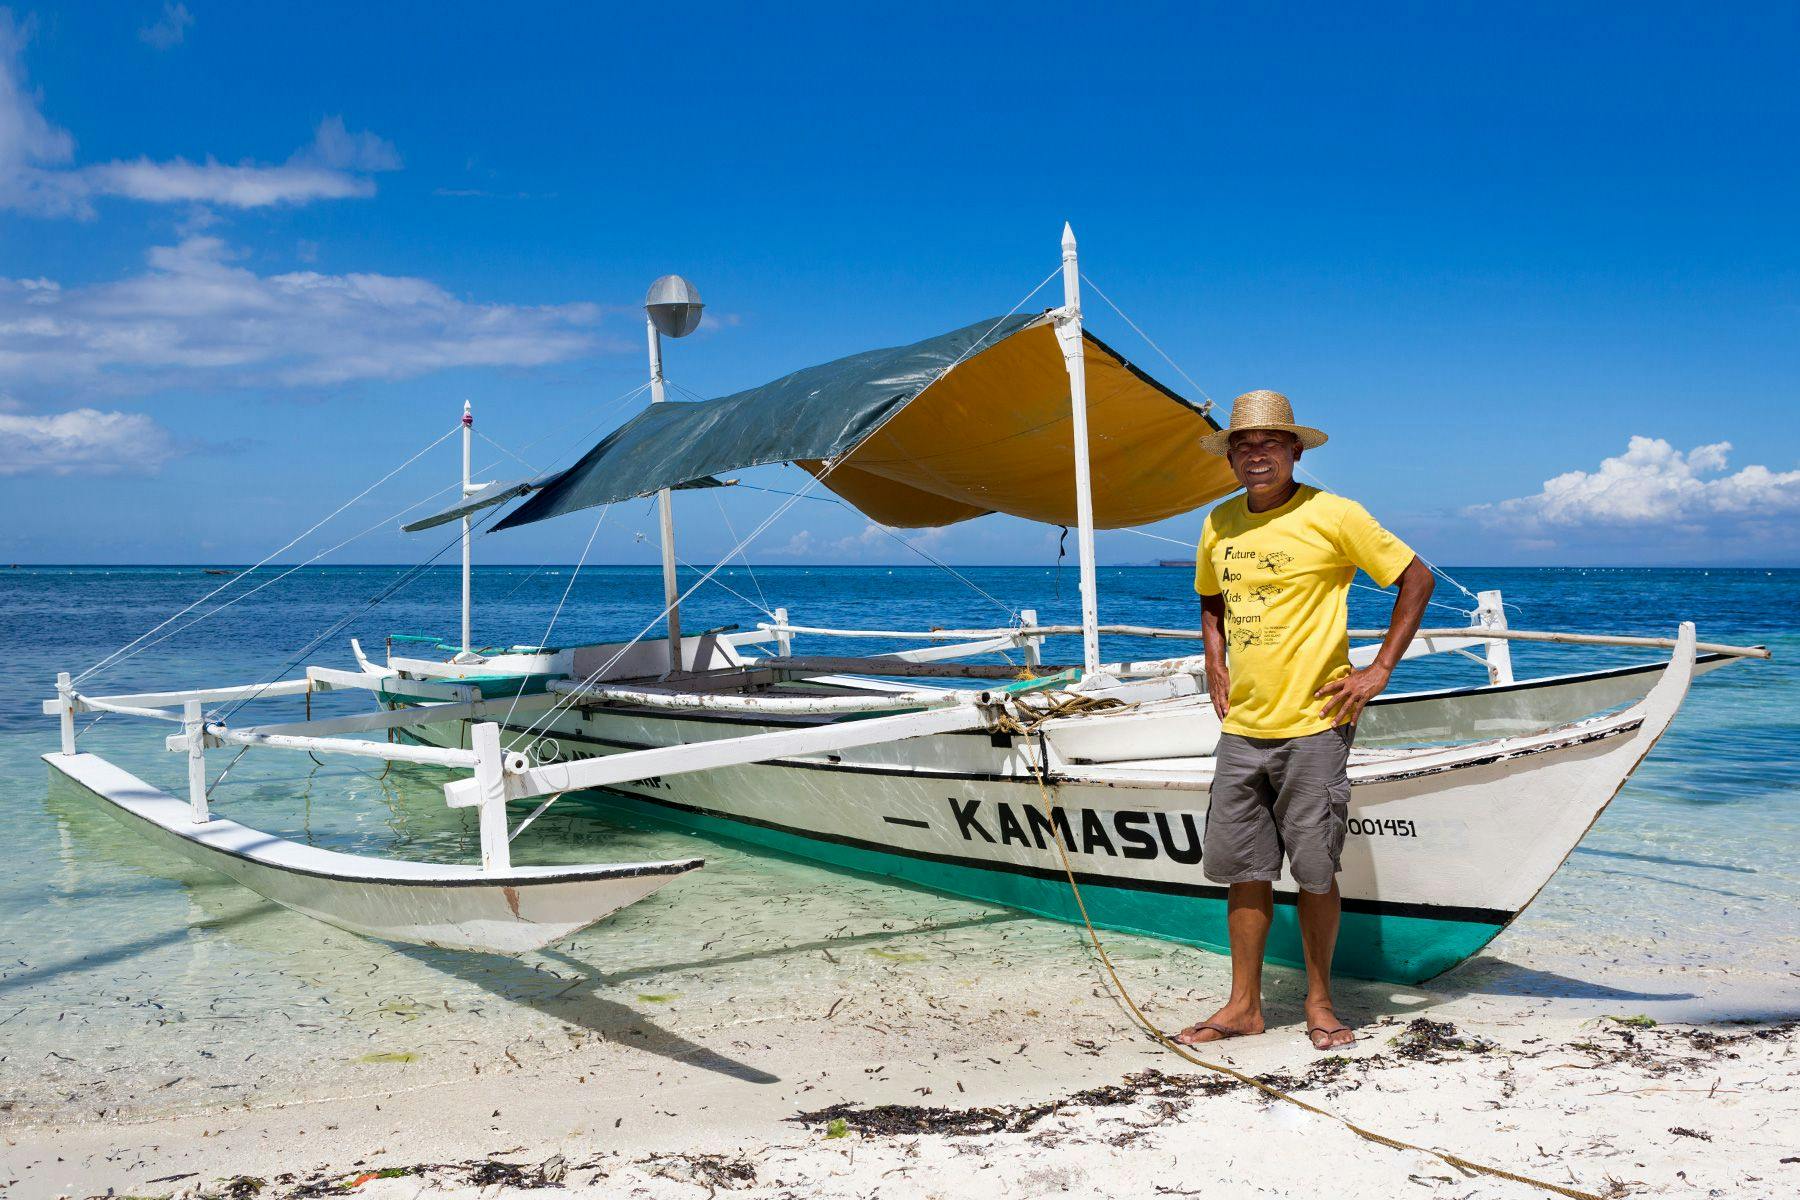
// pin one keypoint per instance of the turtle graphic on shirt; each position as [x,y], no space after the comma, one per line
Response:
[1276,561]
[1264,593]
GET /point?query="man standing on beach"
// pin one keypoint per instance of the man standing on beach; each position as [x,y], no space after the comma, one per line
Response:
[1273,572]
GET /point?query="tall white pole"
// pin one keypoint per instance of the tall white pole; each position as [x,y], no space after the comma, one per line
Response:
[1068,332]
[194,725]
[66,692]
[468,430]
[666,513]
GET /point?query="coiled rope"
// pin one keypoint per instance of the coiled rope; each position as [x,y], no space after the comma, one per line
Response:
[1029,721]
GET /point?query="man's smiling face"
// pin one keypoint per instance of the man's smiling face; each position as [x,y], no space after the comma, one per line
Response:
[1263,461]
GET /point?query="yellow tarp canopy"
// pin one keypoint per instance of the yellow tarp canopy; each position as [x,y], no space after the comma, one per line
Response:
[994,435]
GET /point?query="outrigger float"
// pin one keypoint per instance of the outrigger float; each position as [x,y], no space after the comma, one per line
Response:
[929,763]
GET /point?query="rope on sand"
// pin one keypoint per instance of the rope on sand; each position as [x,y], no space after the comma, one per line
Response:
[1029,722]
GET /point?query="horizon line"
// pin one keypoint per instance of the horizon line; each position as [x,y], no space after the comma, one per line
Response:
[901,566]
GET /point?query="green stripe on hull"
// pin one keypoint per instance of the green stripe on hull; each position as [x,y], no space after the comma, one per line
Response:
[1399,949]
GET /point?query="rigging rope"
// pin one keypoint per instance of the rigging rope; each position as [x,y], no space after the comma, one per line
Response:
[933,559]
[1209,404]
[270,582]
[751,487]
[1152,345]
[406,577]
[557,708]
[889,530]
[1190,546]
[502,449]
[812,482]
[533,574]
[754,581]
[605,411]
[717,582]
[115,656]
[1456,583]
[544,641]
[1030,721]
[138,645]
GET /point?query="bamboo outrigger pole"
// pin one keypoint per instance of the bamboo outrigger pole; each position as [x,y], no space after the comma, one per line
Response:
[1068,332]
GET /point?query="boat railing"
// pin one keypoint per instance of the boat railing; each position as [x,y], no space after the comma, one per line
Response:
[501,774]
[1487,640]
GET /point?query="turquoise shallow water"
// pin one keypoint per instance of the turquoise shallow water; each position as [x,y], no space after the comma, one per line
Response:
[128,981]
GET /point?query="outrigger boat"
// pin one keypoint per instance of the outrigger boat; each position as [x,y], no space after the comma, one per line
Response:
[929,764]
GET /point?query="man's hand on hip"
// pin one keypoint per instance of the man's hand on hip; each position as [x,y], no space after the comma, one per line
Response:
[1218,687]
[1351,694]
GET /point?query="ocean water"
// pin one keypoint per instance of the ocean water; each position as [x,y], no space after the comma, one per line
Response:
[133,983]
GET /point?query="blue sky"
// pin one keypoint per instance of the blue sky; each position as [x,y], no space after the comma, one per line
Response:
[1536,273]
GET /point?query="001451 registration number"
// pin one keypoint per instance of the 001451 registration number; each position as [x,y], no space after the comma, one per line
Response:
[1372,826]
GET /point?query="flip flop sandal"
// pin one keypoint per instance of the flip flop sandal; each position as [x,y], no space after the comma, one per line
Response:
[1224,1033]
[1330,1033]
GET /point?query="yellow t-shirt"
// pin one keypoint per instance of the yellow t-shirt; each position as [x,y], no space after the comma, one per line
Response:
[1286,578]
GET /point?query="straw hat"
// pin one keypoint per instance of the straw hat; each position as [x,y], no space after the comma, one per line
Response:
[1261,409]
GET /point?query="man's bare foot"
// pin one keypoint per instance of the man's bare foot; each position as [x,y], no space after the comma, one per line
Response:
[1323,1029]
[1228,1022]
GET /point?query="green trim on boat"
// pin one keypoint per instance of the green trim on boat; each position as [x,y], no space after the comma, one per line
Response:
[1398,949]
[1020,687]
[487,687]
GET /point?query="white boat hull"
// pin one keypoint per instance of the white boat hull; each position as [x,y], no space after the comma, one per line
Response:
[1445,846]
[425,904]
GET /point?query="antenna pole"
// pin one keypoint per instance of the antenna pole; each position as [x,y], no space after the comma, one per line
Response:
[666,514]
[468,429]
[1068,332]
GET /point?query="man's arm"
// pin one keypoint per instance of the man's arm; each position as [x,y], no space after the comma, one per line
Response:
[1353,692]
[1212,634]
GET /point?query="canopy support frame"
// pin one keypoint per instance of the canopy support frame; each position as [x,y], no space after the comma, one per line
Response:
[665,513]
[1068,332]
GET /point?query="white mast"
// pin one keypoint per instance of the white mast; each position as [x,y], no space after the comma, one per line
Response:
[1068,332]
[468,429]
[665,514]
[672,306]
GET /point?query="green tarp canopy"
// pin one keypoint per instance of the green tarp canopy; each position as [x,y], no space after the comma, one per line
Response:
[966,423]
[500,493]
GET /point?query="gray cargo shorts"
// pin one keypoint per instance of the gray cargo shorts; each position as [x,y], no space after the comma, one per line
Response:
[1275,796]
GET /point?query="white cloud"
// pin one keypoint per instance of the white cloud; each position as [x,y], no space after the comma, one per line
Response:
[484,194]
[197,317]
[169,29]
[1652,484]
[37,175]
[713,322]
[28,143]
[83,440]
[800,545]
[334,167]
[338,148]
[873,542]
[883,543]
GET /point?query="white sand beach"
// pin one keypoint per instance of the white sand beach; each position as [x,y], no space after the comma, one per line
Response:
[1502,1062]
